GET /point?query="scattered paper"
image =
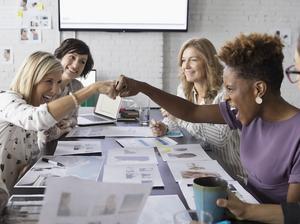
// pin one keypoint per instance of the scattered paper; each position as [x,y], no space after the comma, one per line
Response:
[145,142]
[187,191]
[183,152]
[76,201]
[138,173]
[241,193]
[159,209]
[77,147]
[110,131]
[192,169]
[131,156]
[85,167]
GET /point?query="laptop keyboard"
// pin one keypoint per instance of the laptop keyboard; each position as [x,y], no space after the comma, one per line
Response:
[94,118]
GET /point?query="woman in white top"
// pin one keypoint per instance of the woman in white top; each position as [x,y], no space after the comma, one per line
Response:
[77,61]
[200,75]
[29,107]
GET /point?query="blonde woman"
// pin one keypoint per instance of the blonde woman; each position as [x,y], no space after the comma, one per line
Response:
[77,61]
[200,75]
[29,107]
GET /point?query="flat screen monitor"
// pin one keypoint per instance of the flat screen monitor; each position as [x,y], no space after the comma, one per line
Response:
[123,15]
[90,78]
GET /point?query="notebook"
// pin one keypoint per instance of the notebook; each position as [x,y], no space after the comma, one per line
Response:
[106,111]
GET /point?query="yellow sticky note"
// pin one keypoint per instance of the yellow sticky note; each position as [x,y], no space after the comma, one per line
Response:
[167,149]
[40,6]
[20,13]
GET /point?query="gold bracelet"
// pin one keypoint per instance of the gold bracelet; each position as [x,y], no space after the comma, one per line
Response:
[75,100]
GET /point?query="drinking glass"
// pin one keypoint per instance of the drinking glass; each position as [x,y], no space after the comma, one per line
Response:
[192,217]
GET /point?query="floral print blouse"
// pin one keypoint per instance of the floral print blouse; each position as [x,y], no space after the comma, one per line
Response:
[19,123]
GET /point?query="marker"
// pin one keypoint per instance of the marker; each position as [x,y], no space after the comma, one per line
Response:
[52,162]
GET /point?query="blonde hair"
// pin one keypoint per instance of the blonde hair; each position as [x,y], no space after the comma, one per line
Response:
[31,72]
[213,68]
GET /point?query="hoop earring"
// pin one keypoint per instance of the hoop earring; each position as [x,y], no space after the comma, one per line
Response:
[258,100]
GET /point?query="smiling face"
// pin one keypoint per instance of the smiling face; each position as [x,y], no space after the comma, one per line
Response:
[193,65]
[46,89]
[241,95]
[73,65]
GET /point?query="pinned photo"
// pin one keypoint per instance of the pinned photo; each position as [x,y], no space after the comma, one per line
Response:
[30,35]
[6,56]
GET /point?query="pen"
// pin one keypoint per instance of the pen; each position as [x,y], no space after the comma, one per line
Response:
[52,162]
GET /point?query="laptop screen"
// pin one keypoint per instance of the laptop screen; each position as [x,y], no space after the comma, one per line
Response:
[107,106]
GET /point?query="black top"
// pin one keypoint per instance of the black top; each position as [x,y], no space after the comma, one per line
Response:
[291,212]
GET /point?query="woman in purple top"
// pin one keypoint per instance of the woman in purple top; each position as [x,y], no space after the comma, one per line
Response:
[269,213]
[270,130]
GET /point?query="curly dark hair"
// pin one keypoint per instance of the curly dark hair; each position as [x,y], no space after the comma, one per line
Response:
[256,56]
[72,45]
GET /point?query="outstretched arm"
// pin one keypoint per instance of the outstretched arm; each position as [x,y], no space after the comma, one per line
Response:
[62,106]
[177,106]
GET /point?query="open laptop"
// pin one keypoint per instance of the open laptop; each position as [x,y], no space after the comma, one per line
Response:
[106,112]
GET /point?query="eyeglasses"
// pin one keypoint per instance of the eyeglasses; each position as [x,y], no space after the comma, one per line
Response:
[293,74]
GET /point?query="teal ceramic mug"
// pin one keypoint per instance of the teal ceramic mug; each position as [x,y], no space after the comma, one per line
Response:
[206,192]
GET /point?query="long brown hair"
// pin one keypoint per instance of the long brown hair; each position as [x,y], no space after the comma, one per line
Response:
[213,68]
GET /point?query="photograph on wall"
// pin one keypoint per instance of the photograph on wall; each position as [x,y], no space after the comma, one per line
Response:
[37,21]
[30,35]
[6,56]
[31,5]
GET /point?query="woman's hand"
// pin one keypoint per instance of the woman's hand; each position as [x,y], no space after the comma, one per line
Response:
[107,87]
[158,128]
[164,113]
[126,86]
[235,205]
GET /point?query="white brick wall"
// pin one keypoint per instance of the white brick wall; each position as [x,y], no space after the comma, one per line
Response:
[220,21]
[148,55]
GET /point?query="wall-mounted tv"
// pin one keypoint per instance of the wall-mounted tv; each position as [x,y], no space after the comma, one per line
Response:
[123,15]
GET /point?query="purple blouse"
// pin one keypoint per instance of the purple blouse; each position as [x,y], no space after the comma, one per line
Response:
[270,154]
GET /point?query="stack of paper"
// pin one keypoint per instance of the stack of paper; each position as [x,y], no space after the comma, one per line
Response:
[23,209]
[85,167]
